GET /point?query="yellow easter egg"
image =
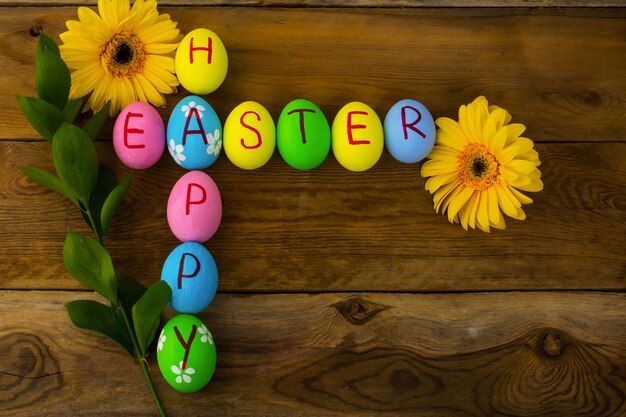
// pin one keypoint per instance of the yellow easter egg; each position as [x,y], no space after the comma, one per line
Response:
[249,136]
[201,62]
[358,139]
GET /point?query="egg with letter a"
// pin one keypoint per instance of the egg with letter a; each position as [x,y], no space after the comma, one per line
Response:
[303,135]
[194,133]
[186,353]
[139,136]
[191,273]
[357,137]
[194,207]
[249,136]
[409,131]
[201,61]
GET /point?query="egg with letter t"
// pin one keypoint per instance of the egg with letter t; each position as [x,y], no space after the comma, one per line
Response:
[186,353]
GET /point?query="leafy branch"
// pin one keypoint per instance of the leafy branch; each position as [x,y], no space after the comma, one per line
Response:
[132,315]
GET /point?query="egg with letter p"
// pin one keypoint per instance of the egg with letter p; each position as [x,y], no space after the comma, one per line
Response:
[409,131]
[191,273]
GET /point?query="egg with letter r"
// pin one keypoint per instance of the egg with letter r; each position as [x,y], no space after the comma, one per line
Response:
[409,131]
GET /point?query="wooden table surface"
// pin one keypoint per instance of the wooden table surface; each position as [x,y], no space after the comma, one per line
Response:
[344,294]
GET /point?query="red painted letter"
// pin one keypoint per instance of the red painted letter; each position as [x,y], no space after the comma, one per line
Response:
[411,125]
[128,130]
[301,112]
[186,344]
[181,268]
[258,134]
[199,131]
[351,126]
[208,48]
[189,202]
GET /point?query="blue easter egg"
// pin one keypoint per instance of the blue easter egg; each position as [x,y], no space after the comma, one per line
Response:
[409,131]
[191,272]
[194,133]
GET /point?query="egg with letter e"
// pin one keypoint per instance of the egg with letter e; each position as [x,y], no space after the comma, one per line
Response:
[357,137]
[186,353]
[194,133]
[194,207]
[191,273]
[249,136]
[201,61]
[303,135]
[139,136]
[409,131]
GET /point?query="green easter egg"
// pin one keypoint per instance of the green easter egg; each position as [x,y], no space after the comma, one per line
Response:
[303,135]
[186,353]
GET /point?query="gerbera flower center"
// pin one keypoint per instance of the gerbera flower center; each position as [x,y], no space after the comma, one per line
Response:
[124,55]
[478,166]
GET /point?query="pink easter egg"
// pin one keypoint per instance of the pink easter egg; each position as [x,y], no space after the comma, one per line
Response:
[139,136]
[194,208]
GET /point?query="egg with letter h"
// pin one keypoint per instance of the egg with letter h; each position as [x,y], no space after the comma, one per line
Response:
[409,131]
[191,273]
[194,133]
[186,353]
[201,61]
[139,136]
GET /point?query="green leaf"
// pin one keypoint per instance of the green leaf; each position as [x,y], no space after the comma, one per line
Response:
[92,315]
[46,42]
[75,160]
[97,121]
[49,181]
[104,185]
[112,203]
[88,262]
[43,116]
[71,109]
[52,77]
[129,291]
[147,312]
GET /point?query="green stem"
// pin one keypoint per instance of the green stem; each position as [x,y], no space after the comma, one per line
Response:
[142,362]
[94,227]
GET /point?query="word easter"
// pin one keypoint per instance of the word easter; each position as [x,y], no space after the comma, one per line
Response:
[194,136]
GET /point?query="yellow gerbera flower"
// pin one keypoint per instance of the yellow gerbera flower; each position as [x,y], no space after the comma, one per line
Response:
[119,54]
[479,165]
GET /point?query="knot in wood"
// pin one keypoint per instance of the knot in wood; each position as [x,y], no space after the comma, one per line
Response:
[35,31]
[357,310]
[552,344]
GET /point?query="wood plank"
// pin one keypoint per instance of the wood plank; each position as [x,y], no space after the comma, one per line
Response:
[343,3]
[333,230]
[559,71]
[499,354]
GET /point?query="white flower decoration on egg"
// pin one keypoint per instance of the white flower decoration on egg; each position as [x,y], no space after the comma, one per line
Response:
[207,337]
[183,374]
[215,144]
[192,105]
[176,151]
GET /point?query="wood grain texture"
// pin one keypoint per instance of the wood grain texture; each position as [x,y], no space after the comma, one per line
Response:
[559,71]
[344,3]
[333,230]
[503,354]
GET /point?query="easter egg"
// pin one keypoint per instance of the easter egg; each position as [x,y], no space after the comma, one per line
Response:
[139,136]
[194,133]
[409,131]
[357,137]
[201,61]
[249,136]
[194,207]
[186,353]
[191,273]
[303,135]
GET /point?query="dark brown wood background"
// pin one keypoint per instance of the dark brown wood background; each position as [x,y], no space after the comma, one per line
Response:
[344,294]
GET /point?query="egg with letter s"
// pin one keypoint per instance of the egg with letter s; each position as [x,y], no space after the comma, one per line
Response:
[201,61]
[139,136]
[249,136]
[303,135]
[357,137]
[194,133]
[194,207]
[409,131]
[186,353]
[191,273]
